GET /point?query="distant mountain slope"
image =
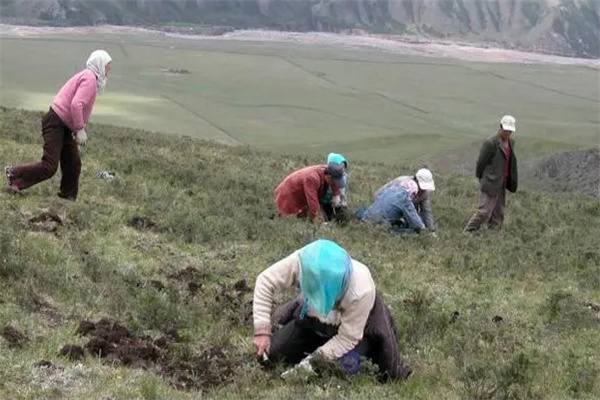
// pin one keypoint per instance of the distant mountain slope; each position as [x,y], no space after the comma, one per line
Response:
[565,27]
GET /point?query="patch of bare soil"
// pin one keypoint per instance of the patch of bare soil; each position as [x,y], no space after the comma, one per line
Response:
[234,301]
[47,220]
[73,352]
[574,171]
[47,364]
[14,337]
[190,276]
[211,367]
[45,306]
[144,223]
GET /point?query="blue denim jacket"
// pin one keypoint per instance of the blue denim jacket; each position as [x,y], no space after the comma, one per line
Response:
[391,206]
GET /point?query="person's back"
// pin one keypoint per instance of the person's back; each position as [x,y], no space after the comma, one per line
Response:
[298,194]
[387,207]
[419,188]
[75,100]
[394,206]
[404,181]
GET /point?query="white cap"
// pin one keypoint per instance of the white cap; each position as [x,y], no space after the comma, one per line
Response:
[425,179]
[508,123]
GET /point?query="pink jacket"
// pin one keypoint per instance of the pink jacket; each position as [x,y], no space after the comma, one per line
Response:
[73,104]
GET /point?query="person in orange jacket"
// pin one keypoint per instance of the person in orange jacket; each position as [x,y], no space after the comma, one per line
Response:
[299,193]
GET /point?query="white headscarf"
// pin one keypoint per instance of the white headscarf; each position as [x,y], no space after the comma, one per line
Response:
[97,63]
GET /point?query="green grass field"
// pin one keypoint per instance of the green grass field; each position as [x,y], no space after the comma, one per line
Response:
[523,329]
[368,104]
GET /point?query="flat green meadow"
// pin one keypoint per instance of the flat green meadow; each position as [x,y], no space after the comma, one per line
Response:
[371,105]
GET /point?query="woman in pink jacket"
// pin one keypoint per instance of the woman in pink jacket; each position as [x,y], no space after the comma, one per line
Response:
[63,130]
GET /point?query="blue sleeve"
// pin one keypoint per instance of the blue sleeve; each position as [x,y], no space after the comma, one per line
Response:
[411,214]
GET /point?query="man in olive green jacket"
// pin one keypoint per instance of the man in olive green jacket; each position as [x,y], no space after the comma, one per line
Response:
[497,172]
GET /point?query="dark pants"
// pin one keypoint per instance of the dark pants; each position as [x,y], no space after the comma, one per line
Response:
[59,147]
[335,214]
[297,339]
[490,211]
[328,211]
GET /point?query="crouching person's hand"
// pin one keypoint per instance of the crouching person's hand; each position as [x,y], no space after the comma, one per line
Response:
[336,201]
[262,343]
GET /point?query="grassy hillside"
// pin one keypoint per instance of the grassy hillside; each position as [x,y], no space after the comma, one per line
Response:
[166,244]
[370,104]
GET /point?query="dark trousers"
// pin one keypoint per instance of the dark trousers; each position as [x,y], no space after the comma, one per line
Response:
[328,211]
[299,338]
[336,214]
[59,147]
[490,211]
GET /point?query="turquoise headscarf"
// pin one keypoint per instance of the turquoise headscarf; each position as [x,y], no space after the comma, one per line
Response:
[325,269]
[336,165]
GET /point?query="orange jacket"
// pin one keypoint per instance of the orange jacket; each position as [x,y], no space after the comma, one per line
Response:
[299,193]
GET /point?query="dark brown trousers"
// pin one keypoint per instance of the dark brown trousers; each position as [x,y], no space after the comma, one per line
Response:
[59,147]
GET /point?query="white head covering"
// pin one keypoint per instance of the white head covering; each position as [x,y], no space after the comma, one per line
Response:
[97,64]
[425,179]
[508,123]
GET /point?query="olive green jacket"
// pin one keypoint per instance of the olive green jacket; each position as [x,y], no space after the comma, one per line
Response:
[490,167]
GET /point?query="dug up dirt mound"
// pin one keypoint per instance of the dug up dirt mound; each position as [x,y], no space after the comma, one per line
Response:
[47,220]
[574,171]
[14,337]
[210,367]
